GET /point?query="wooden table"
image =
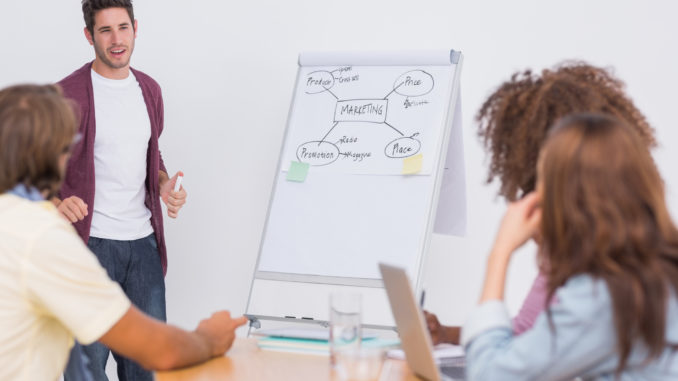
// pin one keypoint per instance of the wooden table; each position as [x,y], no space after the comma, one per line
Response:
[245,361]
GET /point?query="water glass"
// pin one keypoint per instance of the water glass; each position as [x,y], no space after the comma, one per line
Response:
[363,364]
[345,318]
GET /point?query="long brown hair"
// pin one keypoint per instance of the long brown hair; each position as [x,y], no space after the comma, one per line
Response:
[515,120]
[604,214]
[37,126]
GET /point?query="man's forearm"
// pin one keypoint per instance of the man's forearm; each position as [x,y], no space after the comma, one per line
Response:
[179,348]
[155,345]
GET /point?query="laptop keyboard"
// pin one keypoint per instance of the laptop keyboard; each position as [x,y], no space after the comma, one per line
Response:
[454,368]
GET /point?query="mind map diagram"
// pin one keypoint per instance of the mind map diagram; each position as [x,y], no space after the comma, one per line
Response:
[408,91]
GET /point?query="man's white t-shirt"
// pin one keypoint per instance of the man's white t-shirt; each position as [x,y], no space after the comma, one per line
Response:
[52,288]
[123,130]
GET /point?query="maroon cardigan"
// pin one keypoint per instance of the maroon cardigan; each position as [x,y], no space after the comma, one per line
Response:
[79,179]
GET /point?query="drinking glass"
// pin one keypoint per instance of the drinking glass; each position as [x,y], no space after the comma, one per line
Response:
[345,317]
[363,364]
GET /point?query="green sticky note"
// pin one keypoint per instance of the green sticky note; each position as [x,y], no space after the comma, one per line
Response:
[297,172]
[413,164]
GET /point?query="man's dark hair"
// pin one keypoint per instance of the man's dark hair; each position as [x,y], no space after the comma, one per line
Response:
[91,7]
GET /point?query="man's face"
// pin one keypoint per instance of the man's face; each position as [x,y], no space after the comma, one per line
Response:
[113,38]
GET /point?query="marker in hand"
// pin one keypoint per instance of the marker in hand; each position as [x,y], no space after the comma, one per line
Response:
[177,185]
[173,195]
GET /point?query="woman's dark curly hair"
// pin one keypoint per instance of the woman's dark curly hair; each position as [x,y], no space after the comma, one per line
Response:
[514,121]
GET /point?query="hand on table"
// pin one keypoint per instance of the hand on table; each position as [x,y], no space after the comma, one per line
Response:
[440,333]
[219,331]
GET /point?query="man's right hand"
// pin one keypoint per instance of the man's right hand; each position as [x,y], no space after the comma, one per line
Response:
[73,209]
[219,331]
[159,346]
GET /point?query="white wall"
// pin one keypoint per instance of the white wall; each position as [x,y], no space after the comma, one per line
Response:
[227,70]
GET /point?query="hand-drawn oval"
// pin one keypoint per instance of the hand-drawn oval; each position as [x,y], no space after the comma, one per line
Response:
[414,83]
[318,153]
[402,147]
[319,81]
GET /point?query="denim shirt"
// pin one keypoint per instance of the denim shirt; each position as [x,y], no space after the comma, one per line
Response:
[584,343]
[32,194]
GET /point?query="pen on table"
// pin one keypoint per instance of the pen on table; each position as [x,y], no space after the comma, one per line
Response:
[421,299]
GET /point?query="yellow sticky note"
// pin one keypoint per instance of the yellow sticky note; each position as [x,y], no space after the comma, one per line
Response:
[413,164]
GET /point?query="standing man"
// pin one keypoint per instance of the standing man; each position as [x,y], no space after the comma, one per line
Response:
[116,177]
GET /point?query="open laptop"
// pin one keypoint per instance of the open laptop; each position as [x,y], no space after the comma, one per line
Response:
[414,336]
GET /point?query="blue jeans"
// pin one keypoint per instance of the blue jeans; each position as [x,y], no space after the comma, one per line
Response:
[135,265]
[77,366]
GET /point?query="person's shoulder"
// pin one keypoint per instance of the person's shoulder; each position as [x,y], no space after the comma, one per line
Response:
[147,81]
[584,284]
[49,235]
[584,292]
[30,219]
[76,83]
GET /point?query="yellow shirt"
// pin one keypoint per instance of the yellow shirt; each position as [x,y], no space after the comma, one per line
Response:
[52,288]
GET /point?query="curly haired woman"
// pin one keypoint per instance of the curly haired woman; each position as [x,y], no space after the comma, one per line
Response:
[513,124]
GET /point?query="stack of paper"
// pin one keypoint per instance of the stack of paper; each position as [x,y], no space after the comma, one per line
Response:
[311,341]
[316,347]
[441,352]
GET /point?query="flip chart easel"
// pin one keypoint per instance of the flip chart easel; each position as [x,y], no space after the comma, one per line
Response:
[372,131]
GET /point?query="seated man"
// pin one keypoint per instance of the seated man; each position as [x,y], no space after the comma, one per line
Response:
[52,288]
